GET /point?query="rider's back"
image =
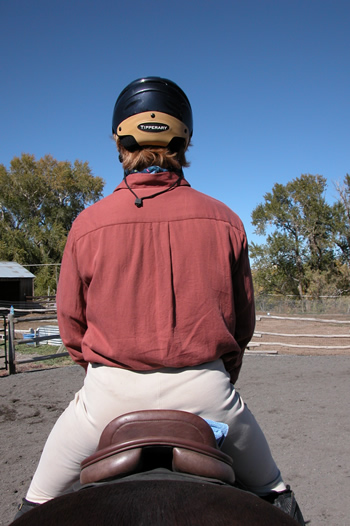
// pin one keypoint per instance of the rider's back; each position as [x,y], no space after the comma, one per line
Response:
[165,283]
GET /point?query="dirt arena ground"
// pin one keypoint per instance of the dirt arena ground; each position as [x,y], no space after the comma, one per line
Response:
[300,396]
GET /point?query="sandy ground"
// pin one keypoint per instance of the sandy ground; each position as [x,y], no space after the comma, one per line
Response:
[301,398]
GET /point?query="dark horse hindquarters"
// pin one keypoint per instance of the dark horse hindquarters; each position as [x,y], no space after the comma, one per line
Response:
[168,499]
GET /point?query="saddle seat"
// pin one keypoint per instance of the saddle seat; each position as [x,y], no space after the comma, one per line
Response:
[144,440]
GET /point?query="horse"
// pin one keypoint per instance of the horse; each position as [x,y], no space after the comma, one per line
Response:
[156,468]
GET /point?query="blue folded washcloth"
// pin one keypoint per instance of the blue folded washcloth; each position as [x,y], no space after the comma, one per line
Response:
[220,430]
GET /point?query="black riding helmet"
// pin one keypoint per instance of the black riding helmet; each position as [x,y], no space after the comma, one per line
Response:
[153,111]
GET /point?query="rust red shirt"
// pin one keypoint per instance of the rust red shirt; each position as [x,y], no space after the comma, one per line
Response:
[164,285]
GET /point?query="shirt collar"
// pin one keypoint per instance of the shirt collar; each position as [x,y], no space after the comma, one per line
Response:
[152,179]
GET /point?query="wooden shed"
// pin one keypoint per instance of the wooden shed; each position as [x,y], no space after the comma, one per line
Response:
[16,282]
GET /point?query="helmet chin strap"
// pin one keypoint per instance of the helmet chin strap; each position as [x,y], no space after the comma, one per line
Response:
[139,200]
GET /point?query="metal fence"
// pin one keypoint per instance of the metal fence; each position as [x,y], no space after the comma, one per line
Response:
[336,305]
[3,340]
[47,335]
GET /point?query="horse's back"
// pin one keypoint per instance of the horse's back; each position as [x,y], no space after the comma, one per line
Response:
[156,503]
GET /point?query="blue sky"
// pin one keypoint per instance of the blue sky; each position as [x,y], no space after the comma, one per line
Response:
[268,81]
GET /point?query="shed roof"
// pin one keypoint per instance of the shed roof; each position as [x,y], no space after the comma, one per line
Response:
[10,269]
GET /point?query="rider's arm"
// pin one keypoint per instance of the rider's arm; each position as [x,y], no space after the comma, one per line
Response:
[71,304]
[244,308]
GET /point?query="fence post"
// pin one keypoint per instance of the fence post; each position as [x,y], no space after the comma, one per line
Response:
[11,341]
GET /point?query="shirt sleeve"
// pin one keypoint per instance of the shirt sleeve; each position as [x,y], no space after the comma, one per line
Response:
[71,303]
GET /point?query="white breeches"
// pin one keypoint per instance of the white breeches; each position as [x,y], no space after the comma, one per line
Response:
[109,392]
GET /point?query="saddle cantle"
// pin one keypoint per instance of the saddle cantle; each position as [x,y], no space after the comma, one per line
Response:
[144,440]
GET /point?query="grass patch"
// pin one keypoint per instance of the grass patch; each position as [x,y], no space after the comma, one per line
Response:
[38,350]
[24,351]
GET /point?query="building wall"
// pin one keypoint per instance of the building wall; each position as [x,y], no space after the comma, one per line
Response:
[16,289]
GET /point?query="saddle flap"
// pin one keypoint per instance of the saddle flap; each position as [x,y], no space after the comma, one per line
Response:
[195,463]
[120,464]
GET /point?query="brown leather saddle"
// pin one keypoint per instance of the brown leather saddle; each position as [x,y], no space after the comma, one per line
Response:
[144,440]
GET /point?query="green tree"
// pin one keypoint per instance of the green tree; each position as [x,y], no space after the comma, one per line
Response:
[39,201]
[274,268]
[300,229]
[341,214]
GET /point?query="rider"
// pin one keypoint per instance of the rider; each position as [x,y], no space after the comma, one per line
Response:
[155,301]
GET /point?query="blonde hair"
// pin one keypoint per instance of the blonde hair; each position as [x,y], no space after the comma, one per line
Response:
[151,156]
